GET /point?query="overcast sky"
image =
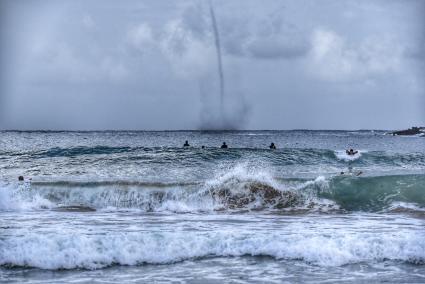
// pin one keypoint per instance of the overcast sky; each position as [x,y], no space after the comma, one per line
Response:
[83,65]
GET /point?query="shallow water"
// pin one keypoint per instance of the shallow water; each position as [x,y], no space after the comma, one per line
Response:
[136,207]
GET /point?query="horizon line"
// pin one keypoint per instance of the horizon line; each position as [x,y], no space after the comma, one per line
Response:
[186,130]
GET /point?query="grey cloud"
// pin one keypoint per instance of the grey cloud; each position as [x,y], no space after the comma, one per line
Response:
[270,48]
[139,64]
[265,37]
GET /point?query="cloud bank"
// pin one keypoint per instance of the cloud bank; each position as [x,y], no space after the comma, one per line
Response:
[152,65]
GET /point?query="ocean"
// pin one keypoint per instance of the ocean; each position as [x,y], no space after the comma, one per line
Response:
[136,206]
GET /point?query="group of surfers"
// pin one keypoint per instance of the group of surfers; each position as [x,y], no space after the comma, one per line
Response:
[224,145]
[349,152]
[272,146]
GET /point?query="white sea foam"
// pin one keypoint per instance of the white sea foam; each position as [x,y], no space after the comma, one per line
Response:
[342,155]
[21,198]
[56,251]
[405,207]
[242,173]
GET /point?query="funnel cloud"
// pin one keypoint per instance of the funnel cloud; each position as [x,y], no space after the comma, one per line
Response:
[232,117]
[219,60]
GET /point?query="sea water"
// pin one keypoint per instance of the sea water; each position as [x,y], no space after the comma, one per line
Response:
[105,207]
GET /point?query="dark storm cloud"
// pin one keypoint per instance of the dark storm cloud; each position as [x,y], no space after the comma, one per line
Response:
[266,36]
[152,64]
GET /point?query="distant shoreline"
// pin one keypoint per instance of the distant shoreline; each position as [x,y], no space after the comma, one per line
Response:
[414,131]
[203,130]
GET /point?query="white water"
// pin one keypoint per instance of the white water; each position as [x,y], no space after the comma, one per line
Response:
[235,182]
[318,241]
[342,155]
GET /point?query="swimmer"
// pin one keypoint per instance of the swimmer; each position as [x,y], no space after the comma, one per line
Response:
[186,144]
[272,146]
[350,173]
[224,146]
[21,178]
[351,152]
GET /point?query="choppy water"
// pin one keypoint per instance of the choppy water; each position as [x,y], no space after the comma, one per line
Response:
[136,206]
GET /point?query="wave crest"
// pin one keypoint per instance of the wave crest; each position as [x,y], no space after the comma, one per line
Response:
[57,251]
[238,188]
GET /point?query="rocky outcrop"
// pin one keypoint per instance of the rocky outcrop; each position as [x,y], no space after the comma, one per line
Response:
[410,131]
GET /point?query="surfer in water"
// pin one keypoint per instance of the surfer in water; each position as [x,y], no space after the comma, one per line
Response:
[272,146]
[350,173]
[186,144]
[351,152]
[224,146]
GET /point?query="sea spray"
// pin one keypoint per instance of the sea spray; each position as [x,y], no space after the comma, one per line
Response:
[21,197]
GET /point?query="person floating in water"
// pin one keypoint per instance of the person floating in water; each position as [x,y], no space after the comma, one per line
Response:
[186,144]
[21,178]
[351,152]
[350,173]
[202,147]
[272,146]
[224,146]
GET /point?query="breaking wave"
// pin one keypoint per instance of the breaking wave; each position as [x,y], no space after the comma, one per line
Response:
[69,251]
[237,189]
[342,155]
